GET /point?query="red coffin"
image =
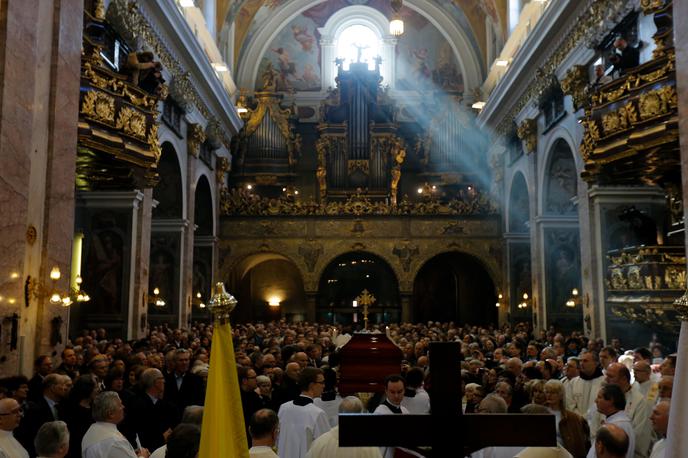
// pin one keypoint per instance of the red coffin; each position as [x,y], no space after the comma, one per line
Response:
[365,361]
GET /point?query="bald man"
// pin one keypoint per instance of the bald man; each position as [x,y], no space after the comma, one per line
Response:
[660,423]
[611,442]
[643,380]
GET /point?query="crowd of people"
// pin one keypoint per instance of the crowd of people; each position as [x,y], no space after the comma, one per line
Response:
[113,398]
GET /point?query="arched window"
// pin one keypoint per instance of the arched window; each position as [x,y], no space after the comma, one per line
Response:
[359,42]
[350,29]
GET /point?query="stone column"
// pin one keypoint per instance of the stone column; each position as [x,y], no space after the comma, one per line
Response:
[328,51]
[115,260]
[209,9]
[168,236]
[406,307]
[40,61]
[678,418]
[311,303]
[185,304]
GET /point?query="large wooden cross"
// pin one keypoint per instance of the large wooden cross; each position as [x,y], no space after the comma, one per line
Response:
[446,430]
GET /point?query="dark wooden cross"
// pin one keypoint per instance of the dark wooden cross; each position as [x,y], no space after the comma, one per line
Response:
[446,430]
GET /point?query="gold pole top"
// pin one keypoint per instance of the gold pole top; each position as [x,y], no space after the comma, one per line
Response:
[222,303]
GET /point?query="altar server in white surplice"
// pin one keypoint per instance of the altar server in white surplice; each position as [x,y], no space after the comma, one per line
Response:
[395,386]
[301,421]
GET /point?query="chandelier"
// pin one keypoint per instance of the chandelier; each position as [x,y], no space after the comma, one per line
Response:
[396,25]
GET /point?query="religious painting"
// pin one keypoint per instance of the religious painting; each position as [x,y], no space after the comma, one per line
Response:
[294,55]
[201,279]
[168,192]
[103,270]
[519,206]
[562,274]
[425,59]
[562,180]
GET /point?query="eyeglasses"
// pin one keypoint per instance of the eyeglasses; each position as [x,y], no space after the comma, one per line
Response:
[18,411]
[322,382]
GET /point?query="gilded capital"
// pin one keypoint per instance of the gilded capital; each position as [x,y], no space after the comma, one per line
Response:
[681,306]
[527,132]
[195,138]
[575,84]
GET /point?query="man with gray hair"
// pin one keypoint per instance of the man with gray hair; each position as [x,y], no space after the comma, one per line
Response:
[10,415]
[52,440]
[103,440]
[150,418]
[327,445]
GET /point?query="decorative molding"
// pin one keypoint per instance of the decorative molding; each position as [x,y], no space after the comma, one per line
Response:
[576,83]
[528,133]
[195,138]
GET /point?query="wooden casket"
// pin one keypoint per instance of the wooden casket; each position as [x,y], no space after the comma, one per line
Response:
[365,361]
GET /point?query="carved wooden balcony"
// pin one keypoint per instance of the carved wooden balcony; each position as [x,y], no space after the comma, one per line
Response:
[118,119]
[643,282]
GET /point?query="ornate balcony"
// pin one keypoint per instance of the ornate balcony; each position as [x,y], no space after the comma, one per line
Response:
[118,117]
[643,283]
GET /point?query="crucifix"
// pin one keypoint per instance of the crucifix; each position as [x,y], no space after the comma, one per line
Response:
[365,299]
[359,51]
[446,429]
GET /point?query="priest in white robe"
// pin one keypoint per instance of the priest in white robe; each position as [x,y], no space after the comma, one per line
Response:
[103,440]
[660,424]
[301,421]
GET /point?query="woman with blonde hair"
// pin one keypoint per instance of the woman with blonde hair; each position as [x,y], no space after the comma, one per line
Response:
[573,432]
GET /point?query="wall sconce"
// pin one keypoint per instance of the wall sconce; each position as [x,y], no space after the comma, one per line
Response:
[499,300]
[274,301]
[56,296]
[198,301]
[155,299]
[574,299]
[524,303]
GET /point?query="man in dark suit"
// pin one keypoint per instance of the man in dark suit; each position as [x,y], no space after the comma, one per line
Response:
[148,415]
[182,388]
[628,58]
[44,409]
[43,365]
[69,364]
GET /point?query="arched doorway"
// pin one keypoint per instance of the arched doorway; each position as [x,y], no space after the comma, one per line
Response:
[166,240]
[518,249]
[454,287]
[345,278]
[268,287]
[202,272]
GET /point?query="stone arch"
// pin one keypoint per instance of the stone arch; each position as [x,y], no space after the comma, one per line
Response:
[559,180]
[346,276]
[492,270]
[396,268]
[454,286]
[464,49]
[204,210]
[253,279]
[169,192]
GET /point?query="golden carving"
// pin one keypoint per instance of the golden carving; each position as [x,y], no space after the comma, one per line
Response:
[358,164]
[651,6]
[153,142]
[619,120]
[656,103]
[131,122]
[399,154]
[675,277]
[575,84]
[223,167]
[618,281]
[99,9]
[195,138]
[527,132]
[99,106]
[634,278]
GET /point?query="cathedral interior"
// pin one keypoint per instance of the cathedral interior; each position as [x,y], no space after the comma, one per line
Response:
[490,162]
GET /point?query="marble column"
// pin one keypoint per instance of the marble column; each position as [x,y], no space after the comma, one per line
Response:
[40,59]
[185,305]
[406,306]
[678,418]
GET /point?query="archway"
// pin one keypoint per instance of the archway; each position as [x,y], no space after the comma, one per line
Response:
[202,272]
[345,278]
[454,287]
[518,248]
[268,287]
[167,228]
